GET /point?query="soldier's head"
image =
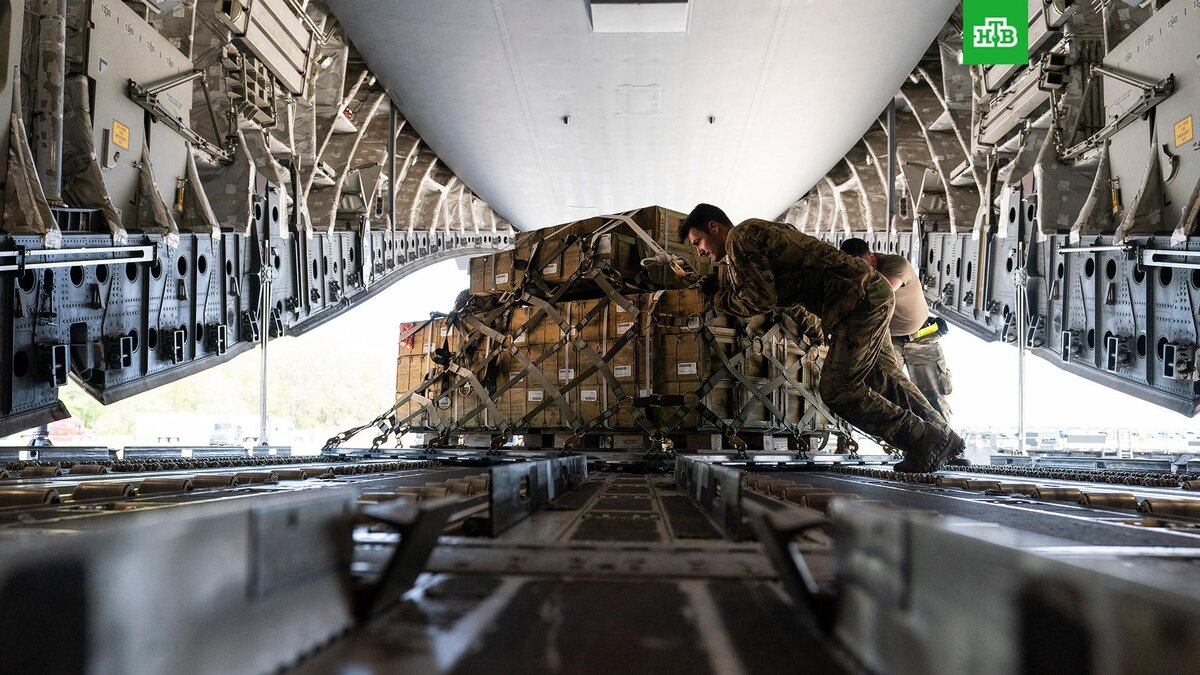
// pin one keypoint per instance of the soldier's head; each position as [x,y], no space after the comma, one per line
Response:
[706,228]
[859,249]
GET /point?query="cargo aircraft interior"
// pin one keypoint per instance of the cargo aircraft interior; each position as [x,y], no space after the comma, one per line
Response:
[590,464]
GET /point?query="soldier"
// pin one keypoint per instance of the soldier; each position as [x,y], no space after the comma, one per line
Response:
[772,266]
[914,331]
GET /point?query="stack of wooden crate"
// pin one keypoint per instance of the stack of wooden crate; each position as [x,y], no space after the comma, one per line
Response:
[562,334]
[554,256]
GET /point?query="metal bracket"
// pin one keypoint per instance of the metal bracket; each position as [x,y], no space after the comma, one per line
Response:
[848,446]
[1035,333]
[1179,361]
[1153,93]
[1155,258]
[55,363]
[715,489]
[1069,346]
[276,323]
[20,259]
[776,531]
[1172,162]
[250,325]
[147,98]
[1125,248]
[419,526]
[1116,350]
[118,352]
[1009,332]
[658,400]
[216,338]
[517,490]
[947,293]
[739,446]
[95,298]
[178,345]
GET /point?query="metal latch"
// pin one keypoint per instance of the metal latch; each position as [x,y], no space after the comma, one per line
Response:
[1179,361]
[1116,348]
[216,338]
[658,400]
[776,532]
[419,526]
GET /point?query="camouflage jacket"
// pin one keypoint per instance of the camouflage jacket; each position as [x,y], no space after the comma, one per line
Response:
[773,266]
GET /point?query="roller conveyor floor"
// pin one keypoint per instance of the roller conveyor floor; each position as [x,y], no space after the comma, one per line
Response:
[538,564]
[1054,517]
[623,574]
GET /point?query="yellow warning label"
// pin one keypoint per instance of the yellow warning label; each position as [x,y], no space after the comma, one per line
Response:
[120,135]
[1183,131]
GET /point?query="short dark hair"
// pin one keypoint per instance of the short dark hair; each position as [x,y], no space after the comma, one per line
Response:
[855,247]
[699,218]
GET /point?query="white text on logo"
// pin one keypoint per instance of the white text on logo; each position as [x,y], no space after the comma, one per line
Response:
[995,32]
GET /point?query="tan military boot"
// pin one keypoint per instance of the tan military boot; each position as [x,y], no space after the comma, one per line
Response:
[958,461]
[917,452]
[950,452]
[932,453]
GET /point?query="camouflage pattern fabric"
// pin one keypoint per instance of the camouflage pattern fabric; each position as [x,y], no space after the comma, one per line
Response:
[862,381]
[806,323]
[773,266]
[926,365]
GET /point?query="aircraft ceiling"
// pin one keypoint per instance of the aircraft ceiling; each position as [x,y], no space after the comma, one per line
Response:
[550,121]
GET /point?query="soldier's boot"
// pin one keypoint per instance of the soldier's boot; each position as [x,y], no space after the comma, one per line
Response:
[914,461]
[932,454]
[916,448]
[951,448]
[958,460]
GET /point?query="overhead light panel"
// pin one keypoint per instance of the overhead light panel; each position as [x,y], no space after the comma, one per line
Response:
[639,16]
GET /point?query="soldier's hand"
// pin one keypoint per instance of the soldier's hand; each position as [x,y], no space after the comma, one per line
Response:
[709,286]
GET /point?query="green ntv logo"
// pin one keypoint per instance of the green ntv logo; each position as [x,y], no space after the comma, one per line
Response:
[995,32]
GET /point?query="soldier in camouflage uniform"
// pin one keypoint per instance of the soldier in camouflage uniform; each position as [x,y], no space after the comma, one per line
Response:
[772,266]
[919,352]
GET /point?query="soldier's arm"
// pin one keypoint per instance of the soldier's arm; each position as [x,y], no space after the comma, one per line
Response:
[895,270]
[809,324]
[753,289]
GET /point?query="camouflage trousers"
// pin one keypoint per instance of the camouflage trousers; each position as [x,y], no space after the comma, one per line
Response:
[926,365]
[862,382]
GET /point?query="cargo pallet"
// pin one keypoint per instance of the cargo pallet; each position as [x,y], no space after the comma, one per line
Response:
[619,354]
